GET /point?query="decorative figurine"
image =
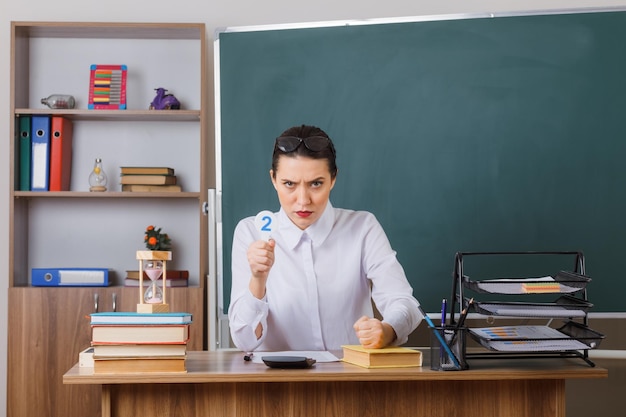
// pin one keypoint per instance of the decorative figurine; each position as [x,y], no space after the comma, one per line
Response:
[163,101]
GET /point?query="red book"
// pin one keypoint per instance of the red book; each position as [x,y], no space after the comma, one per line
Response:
[60,153]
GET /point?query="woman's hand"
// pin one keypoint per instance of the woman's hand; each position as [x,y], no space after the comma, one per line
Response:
[261,260]
[373,333]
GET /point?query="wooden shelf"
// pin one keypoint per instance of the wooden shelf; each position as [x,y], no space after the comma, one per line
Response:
[109,30]
[106,194]
[117,115]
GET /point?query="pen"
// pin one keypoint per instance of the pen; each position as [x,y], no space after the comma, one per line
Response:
[444,304]
[442,341]
[248,356]
[464,314]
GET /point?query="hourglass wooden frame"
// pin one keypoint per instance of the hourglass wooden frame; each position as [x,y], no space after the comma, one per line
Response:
[153,255]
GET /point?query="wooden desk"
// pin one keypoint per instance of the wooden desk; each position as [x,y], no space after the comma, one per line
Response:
[221,384]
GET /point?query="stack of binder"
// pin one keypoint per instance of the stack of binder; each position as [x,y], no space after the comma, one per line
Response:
[44,155]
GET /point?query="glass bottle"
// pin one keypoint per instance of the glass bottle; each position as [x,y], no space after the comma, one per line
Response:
[97,178]
[59,101]
[153,294]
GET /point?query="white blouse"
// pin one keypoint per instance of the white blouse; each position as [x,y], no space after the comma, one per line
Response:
[322,281]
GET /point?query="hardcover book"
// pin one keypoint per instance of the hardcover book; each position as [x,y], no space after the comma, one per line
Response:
[138,351]
[148,179]
[389,357]
[138,334]
[171,274]
[112,317]
[146,188]
[141,365]
[146,170]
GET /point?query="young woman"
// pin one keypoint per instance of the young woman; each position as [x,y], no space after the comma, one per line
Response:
[311,286]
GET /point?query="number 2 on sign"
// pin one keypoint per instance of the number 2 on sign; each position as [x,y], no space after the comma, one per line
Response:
[264,222]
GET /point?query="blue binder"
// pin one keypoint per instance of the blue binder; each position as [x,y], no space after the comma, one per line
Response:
[70,277]
[40,155]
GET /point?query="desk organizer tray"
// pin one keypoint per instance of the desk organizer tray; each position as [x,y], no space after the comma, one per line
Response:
[565,306]
[528,339]
[563,282]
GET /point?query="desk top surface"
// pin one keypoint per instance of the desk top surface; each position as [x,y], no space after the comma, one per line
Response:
[229,366]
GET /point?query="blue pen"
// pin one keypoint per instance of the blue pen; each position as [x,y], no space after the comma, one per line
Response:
[442,341]
[444,308]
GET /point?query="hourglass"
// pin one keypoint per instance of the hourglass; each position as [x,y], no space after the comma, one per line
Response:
[153,263]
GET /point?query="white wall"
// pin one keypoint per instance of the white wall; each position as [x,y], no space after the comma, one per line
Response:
[214,14]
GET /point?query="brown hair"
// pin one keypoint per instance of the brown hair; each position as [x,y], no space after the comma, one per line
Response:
[303,132]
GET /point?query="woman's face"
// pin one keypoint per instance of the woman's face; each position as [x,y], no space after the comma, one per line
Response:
[303,186]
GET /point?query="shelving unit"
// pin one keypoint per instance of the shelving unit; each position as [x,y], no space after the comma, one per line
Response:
[572,339]
[78,228]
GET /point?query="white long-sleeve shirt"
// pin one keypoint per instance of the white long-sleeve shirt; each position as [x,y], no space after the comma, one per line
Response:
[322,281]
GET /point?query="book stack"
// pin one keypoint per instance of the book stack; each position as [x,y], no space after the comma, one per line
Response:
[175,278]
[149,179]
[139,343]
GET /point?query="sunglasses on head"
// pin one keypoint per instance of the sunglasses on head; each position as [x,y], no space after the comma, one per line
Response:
[313,143]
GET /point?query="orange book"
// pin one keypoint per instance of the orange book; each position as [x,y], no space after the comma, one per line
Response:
[139,334]
[60,153]
[139,365]
[389,357]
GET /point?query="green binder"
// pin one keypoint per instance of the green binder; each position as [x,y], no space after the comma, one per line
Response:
[24,123]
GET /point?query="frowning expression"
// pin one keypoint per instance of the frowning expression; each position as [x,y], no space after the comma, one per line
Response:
[303,186]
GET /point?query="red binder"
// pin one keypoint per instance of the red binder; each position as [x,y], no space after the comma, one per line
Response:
[60,153]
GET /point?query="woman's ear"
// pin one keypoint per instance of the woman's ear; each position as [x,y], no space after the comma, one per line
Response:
[273,178]
[334,180]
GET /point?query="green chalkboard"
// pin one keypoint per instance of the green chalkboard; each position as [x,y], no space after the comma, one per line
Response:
[477,134]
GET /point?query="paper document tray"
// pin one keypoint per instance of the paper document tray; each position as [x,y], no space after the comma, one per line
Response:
[565,306]
[571,336]
[563,282]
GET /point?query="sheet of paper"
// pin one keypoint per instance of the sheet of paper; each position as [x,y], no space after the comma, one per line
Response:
[537,345]
[518,333]
[527,338]
[531,311]
[318,355]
